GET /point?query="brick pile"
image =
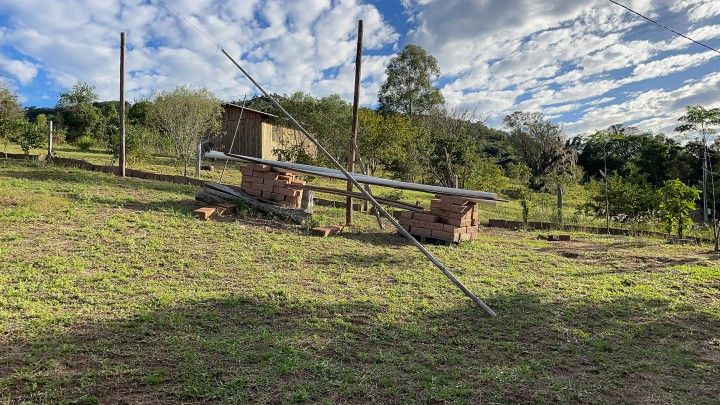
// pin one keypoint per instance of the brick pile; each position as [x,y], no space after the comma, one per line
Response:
[450,219]
[272,184]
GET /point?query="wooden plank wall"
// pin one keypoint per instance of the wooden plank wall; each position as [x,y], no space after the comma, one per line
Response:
[257,136]
[281,137]
[249,136]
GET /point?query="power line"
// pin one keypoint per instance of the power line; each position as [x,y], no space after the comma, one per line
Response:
[664,26]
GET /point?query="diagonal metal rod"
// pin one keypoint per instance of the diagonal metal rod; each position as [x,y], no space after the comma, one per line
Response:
[367,195]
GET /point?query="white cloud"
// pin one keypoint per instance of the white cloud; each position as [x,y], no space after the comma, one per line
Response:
[23,71]
[296,45]
[556,56]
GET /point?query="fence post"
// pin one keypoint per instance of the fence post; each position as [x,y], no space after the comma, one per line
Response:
[50,141]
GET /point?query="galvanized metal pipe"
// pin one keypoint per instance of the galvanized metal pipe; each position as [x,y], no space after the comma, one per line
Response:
[362,178]
[368,196]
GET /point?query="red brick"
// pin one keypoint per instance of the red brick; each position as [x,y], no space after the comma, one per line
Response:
[421,231]
[321,231]
[409,222]
[457,222]
[274,182]
[406,214]
[455,200]
[265,175]
[205,213]
[425,217]
[442,235]
[259,167]
[446,206]
[253,192]
[435,226]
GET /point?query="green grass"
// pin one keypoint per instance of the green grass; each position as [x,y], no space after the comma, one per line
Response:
[111,292]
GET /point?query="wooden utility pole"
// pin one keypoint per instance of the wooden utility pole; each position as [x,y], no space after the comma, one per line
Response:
[122,105]
[50,141]
[352,152]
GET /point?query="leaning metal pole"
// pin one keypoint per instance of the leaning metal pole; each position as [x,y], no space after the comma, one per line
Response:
[367,195]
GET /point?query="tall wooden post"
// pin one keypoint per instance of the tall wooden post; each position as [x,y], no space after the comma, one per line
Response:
[122,105]
[353,138]
[50,141]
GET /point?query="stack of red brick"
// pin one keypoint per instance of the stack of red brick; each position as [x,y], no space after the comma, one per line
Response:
[451,219]
[272,184]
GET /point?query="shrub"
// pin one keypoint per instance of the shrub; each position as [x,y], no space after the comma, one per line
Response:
[85,142]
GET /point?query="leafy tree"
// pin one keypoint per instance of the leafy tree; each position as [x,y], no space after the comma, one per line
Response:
[408,88]
[138,113]
[81,93]
[539,145]
[108,124]
[11,114]
[186,117]
[80,120]
[79,116]
[29,136]
[701,121]
[486,175]
[678,201]
[618,149]
[383,139]
[453,145]
[624,199]
[520,173]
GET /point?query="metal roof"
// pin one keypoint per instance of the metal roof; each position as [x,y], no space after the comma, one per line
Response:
[251,110]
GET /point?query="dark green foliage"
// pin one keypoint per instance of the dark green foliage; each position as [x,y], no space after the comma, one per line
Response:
[629,150]
[630,199]
[29,136]
[678,201]
[540,146]
[85,142]
[81,93]
[11,115]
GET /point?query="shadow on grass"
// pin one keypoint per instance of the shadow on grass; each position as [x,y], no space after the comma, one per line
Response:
[276,349]
[375,237]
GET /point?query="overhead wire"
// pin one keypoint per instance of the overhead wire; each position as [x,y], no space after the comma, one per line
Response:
[664,26]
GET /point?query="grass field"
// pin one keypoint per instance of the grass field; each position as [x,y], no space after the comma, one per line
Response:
[111,292]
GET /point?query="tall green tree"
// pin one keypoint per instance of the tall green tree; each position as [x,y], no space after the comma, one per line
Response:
[540,146]
[81,93]
[703,122]
[678,201]
[79,116]
[29,136]
[409,88]
[11,114]
[186,117]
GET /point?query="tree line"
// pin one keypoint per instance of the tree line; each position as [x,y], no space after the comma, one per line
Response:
[413,135]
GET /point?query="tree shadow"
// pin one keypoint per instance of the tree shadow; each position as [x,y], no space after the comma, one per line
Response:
[273,348]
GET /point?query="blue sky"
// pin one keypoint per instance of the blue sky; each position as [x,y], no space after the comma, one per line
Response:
[586,64]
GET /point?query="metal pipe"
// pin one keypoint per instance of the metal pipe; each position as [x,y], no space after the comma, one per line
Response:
[362,178]
[369,197]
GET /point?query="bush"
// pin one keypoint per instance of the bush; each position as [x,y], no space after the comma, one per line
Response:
[85,142]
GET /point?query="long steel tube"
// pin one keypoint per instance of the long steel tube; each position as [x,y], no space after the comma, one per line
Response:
[369,197]
[361,178]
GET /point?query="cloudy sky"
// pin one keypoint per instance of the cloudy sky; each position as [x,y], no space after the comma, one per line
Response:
[585,63]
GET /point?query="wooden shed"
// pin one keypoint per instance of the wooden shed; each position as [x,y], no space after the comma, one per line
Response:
[259,134]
